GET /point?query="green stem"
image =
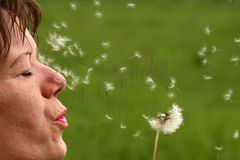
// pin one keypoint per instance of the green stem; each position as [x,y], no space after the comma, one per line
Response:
[156,146]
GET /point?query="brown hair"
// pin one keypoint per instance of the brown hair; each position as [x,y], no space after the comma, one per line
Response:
[28,15]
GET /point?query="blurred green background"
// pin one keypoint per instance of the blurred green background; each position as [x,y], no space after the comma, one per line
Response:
[169,35]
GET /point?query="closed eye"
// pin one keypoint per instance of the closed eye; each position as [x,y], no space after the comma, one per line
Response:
[27,73]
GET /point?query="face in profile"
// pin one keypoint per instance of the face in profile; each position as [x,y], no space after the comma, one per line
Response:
[31,117]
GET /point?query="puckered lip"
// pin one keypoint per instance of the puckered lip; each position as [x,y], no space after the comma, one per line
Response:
[61,119]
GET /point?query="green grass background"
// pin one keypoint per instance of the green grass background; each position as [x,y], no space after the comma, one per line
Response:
[169,35]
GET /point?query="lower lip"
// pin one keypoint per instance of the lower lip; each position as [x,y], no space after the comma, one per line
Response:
[62,122]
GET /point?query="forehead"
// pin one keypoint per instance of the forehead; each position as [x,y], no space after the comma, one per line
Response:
[18,43]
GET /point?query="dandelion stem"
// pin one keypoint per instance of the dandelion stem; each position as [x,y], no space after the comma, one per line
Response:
[156,146]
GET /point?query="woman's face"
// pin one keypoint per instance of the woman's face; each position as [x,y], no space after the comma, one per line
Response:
[31,117]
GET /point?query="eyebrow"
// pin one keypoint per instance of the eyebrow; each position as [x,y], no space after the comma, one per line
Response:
[19,57]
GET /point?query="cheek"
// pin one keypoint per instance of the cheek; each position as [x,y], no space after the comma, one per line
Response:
[20,103]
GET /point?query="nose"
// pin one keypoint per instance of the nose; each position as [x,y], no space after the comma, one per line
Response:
[52,84]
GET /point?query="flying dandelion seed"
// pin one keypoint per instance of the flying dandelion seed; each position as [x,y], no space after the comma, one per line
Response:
[109,86]
[45,60]
[96,3]
[79,50]
[60,26]
[173,82]
[123,126]
[66,72]
[237,40]
[104,56]
[55,25]
[145,116]
[228,95]
[97,61]
[57,41]
[74,83]
[149,81]
[105,44]
[137,54]
[108,117]
[166,123]
[99,14]
[86,79]
[71,77]
[204,61]
[131,5]
[64,24]
[218,148]
[73,5]
[137,134]
[207,77]
[236,135]
[171,95]
[235,60]
[90,70]
[202,51]
[123,69]
[214,49]
[207,30]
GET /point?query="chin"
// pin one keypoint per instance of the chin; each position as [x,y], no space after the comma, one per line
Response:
[61,150]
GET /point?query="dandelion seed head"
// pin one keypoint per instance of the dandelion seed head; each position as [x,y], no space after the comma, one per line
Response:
[169,122]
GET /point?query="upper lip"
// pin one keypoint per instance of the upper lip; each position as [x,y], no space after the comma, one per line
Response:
[61,115]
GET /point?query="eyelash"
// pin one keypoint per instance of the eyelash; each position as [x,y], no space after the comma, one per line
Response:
[27,73]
